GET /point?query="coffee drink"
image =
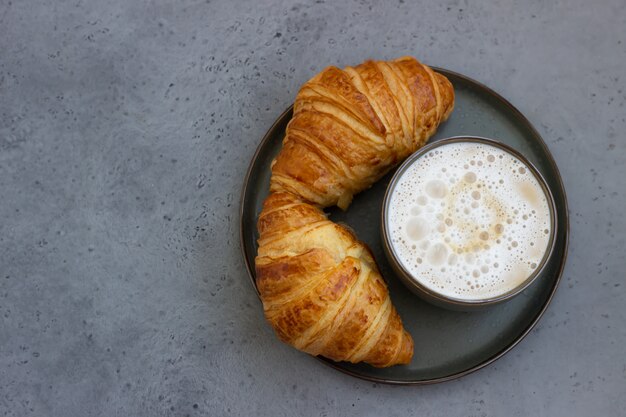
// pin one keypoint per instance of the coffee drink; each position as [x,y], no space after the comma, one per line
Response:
[469,221]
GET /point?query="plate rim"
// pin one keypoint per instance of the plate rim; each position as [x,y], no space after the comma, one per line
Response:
[520,116]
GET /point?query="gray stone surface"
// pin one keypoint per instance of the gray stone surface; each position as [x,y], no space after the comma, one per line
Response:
[126,128]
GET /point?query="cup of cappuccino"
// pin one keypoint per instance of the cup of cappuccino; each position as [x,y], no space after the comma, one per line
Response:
[468,222]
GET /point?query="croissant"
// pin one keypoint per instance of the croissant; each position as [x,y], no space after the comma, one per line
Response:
[320,286]
[351,126]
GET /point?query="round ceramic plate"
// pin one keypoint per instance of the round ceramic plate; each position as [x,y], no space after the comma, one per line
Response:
[448,344]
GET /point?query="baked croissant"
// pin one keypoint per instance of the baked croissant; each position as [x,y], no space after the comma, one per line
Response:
[320,286]
[351,126]
[321,289]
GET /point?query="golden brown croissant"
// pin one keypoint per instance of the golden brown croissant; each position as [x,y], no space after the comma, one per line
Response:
[350,127]
[321,289]
[320,286]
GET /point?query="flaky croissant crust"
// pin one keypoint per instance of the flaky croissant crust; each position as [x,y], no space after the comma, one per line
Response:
[351,126]
[320,286]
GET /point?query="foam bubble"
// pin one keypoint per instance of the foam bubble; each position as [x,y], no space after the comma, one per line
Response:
[437,254]
[469,211]
[470,177]
[417,228]
[436,189]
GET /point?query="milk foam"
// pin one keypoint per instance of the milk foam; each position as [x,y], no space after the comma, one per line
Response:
[469,220]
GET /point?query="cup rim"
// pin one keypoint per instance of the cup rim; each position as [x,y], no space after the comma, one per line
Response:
[414,281]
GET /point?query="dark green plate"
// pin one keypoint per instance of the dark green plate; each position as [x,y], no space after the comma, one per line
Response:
[448,344]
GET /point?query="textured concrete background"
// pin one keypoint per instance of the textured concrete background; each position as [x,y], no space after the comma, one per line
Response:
[126,128]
